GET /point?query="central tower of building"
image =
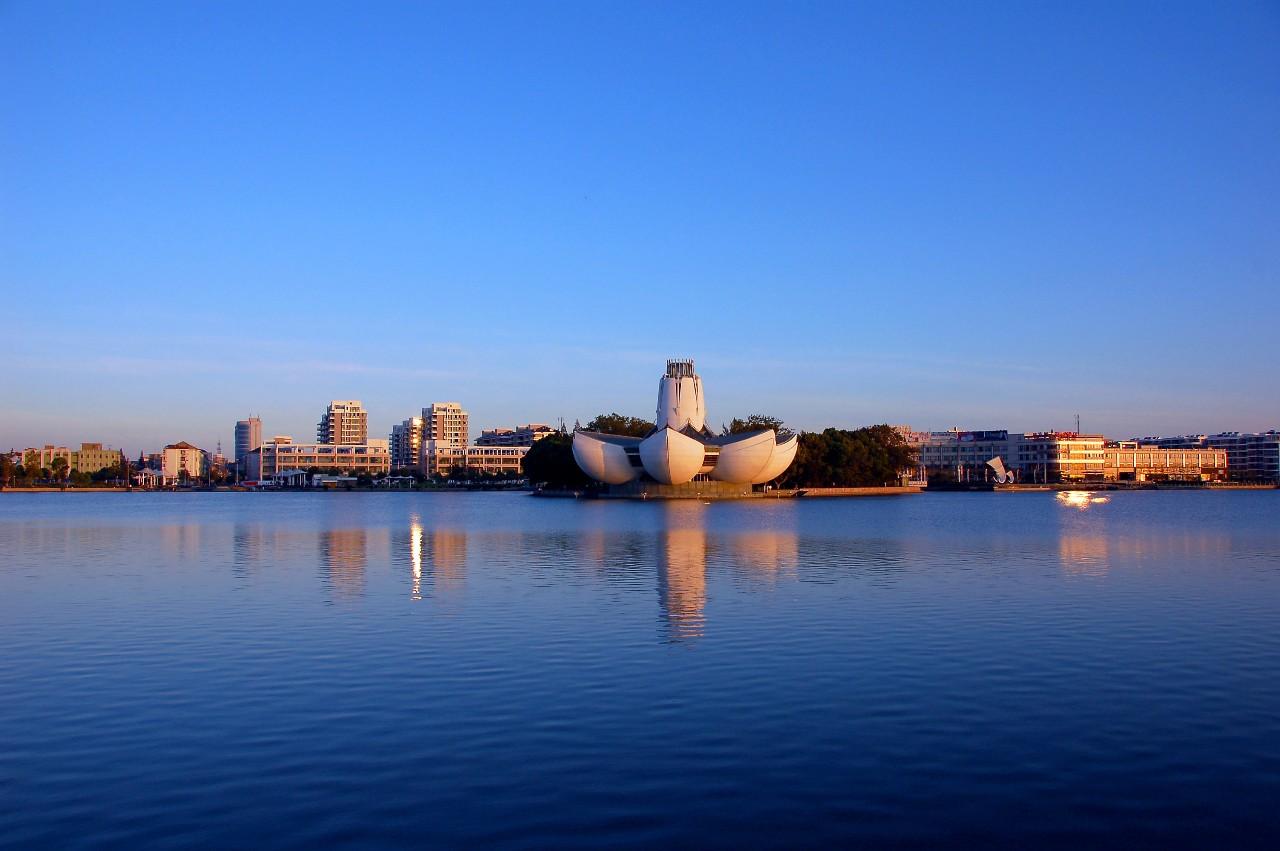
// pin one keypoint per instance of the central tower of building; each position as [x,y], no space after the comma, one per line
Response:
[680,400]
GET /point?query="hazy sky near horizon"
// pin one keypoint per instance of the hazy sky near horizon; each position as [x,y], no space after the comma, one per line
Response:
[983,215]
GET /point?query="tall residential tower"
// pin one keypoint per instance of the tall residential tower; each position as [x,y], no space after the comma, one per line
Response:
[344,422]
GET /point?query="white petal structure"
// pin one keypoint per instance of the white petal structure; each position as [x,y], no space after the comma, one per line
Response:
[672,457]
[604,458]
[744,456]
[680,447]
[784,452]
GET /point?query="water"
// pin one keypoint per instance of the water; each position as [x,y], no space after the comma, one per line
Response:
[248,670]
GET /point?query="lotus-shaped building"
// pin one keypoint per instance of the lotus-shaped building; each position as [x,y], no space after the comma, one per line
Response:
[681,448]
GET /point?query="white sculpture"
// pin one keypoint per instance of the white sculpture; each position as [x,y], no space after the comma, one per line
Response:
[1003,476]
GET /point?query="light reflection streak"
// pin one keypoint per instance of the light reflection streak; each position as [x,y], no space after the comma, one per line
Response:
[415,557]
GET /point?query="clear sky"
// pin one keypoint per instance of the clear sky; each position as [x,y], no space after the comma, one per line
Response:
[976,214]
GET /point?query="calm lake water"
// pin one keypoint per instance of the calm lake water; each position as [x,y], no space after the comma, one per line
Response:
[248,670]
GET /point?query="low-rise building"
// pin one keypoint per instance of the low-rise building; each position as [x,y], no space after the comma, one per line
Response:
[445,460]
[89,458]
[92,457]
[1132,461]
[182,462]
[38,457]
[525,435]
[370,458]
[1251,456]
[1048,456]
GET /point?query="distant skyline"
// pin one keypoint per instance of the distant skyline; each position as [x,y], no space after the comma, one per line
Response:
[846,214]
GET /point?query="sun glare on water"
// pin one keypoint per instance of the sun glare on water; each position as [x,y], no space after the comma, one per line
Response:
[1081,499]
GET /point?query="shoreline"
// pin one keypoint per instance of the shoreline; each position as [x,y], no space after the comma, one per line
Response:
[788,493]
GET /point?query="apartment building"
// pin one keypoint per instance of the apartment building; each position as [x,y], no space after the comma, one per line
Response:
[525,435]
[92,457]
[89,458]
[446,424]
[372,457]
[345,421]
[445,436]
[181,462]
[406,443]
[1251,456]
[38,457]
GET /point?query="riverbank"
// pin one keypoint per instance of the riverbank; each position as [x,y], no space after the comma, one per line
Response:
[711,496]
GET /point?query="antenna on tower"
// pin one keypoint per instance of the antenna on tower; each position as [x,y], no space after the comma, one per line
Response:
[1077,425]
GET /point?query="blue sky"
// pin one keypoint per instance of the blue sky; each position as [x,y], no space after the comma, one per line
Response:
[980,214]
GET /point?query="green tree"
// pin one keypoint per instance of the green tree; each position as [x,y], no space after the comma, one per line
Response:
[755,422]
[616,423]
[865,457]
[6,470]
[58,468]
[549,463]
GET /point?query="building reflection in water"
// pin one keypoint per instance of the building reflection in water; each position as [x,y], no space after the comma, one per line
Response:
[447,551]
[345,556]
[766,554]
[685,550]
[437,560]
[180,541]
[1083,554]
[682,581]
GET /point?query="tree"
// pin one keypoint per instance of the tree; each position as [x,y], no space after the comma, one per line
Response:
[58,468]
[616,423]
[866,457]
[549,463]
[6,469]
[755,422]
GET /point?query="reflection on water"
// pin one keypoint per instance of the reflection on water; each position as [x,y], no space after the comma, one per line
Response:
[344,553]
[447,551]
[1083,554]
[1081,499]
[437,559]
[682,581]
[766,554]
[415,558]
[180,540]
[629,674]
